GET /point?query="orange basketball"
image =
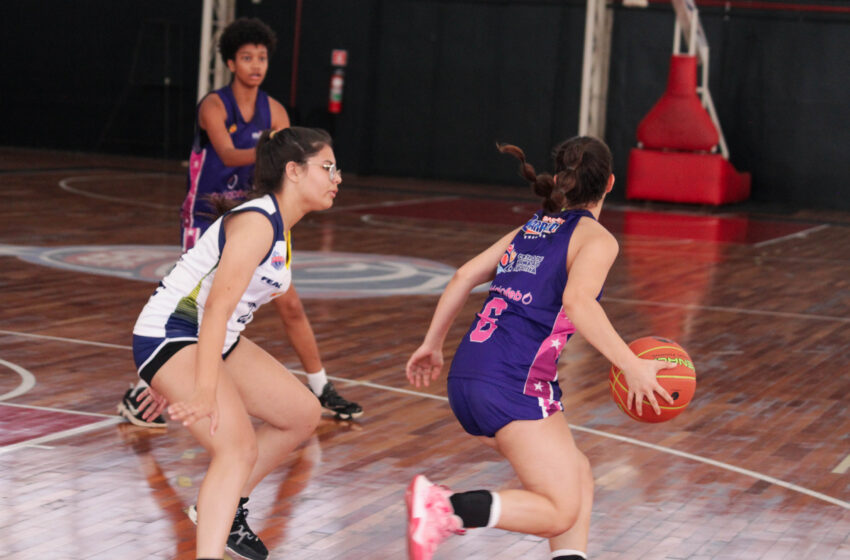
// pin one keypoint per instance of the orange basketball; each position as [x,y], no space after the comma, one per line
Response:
[680,381]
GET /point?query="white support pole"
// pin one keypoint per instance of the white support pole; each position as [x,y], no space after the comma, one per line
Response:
[206,40]
[212,71]
[596,61]
[689,25]
[587,68]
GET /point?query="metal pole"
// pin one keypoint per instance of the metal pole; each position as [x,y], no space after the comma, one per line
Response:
[206,42]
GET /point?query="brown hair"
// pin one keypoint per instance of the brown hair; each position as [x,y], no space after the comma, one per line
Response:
[274,150]
[582,167]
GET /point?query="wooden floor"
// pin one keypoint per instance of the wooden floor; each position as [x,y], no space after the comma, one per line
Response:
[758,467]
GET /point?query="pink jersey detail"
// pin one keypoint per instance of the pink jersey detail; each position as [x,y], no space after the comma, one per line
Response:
[549,407]
[196,165]
[544,369]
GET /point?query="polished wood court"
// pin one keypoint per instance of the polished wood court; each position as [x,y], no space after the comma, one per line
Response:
[758,467]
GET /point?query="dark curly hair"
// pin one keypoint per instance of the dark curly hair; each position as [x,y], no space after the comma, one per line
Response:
[245,31]
[582,167]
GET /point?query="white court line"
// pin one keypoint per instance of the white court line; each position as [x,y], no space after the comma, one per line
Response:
[65,185]
[390,203]
[27,381]
[624,439]
[787,315]
[843,466]
[62,410]
[63,339]
[799,234]
[63,434]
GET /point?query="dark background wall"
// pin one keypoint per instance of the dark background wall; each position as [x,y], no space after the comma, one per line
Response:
[431,85]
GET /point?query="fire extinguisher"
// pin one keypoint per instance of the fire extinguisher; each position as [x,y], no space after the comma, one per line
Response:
[335,99]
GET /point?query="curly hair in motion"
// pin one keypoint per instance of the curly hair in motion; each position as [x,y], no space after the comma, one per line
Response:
[582,167]
[245,31]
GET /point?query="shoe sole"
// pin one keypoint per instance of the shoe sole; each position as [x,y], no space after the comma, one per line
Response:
[128,415]
[192,514]
[341,415]
[415,514]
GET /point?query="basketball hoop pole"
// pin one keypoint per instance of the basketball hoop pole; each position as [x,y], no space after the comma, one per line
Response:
[594,78]
[688,25]
[212,72]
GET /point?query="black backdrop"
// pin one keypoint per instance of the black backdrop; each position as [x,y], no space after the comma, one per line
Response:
[431,85]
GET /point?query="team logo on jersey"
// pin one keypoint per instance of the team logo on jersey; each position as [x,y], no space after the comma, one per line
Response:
[232,128]
[512,261]
[256,136]
[541,227]
[508,258]
[232,181]
[278,260]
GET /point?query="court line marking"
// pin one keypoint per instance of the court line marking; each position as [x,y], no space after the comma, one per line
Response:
[65,185]
[624,439]
[784,314]
[389,204]
[843,466]
[799,234]
[61,435]
[27,381]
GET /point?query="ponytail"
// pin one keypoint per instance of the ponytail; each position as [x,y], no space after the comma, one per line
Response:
[543,185]
[583,166]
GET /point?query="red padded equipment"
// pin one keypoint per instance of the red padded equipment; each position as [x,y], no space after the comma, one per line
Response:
[696,178]
[674,163]
[678,121]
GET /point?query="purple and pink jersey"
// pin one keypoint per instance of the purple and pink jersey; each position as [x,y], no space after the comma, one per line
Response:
[515,340]
[209,175]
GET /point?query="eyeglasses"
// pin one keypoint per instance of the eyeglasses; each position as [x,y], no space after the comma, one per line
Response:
[331,168]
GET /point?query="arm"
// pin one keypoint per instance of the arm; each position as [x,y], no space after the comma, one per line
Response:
[587,273]
[249,235]
[280,118]
[298,329]
[212,117]
[427,361]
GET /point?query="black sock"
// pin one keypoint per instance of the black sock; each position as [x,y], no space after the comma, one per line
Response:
[569,557]
[472,507]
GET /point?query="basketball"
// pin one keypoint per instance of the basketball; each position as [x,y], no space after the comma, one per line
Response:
[680,381]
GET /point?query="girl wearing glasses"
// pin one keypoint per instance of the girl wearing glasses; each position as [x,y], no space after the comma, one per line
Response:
[546,279]
[221,167]
[187,342]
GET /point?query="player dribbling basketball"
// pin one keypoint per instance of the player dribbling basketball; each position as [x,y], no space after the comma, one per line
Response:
[503,383]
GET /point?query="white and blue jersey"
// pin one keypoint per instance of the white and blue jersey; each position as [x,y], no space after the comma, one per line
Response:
[510,352]
[175,311]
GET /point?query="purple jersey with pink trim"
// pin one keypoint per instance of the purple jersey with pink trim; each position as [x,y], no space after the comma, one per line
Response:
[209,175]
[516,339]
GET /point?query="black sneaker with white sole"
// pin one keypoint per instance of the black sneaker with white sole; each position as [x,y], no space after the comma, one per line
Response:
[241,541]
[338,406]
[129,409]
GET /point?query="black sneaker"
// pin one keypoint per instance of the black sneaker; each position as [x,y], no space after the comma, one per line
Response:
[241,541]
[129,409]
[338,406]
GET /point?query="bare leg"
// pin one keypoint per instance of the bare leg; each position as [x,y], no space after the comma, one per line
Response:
[551,469]
[576,537]
[271,393]
[233,449]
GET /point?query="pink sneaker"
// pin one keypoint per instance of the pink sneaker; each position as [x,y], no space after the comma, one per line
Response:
[430,518]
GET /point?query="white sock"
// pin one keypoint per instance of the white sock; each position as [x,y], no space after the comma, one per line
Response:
[567,552]
[317,381]
[495,510]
